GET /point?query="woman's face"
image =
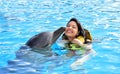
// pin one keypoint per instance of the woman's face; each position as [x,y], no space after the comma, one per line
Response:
[71,29]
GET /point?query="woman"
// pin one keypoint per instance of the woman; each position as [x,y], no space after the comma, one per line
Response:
[75,35]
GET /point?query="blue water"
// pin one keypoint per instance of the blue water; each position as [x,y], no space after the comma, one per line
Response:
[21,19]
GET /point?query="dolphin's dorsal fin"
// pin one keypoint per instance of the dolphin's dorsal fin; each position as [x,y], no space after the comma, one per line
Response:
[57,34]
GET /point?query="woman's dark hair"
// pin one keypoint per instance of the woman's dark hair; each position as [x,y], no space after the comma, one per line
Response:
[80,28]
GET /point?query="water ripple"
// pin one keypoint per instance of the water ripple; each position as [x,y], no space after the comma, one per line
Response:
[20,20]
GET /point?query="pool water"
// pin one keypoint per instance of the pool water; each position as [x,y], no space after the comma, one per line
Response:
[22,19]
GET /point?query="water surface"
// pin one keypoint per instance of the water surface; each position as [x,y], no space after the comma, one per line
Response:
[20,20]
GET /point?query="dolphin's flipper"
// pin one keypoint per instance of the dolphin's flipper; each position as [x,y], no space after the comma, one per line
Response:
[44,39]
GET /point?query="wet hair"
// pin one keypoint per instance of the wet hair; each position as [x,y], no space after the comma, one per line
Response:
[80,28]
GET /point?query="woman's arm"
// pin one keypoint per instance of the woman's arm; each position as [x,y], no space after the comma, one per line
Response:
[77,41]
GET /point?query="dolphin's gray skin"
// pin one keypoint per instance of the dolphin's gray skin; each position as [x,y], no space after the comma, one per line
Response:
[40,43]
[44,39]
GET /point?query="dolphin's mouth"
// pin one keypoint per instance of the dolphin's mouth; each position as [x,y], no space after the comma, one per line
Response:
[57,34]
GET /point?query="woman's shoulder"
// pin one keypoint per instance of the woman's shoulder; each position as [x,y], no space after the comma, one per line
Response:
[81,38]
[88,34]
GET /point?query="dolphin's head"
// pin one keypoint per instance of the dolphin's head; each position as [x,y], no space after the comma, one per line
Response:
[57,33]
[44,39]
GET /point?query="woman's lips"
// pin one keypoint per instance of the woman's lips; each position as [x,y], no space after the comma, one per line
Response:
[69,31]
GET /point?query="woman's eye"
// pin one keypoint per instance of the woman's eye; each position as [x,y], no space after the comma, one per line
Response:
[68,26]
[74,27]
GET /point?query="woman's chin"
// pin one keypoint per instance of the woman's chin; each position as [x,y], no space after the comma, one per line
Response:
[69,35]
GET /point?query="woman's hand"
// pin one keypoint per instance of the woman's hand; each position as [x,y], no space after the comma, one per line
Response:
[77,41]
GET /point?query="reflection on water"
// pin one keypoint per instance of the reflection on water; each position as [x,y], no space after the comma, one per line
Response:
[34,62]
[20,20]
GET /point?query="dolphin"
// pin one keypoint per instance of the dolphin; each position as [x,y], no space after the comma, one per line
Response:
[44,39]
[40,43]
